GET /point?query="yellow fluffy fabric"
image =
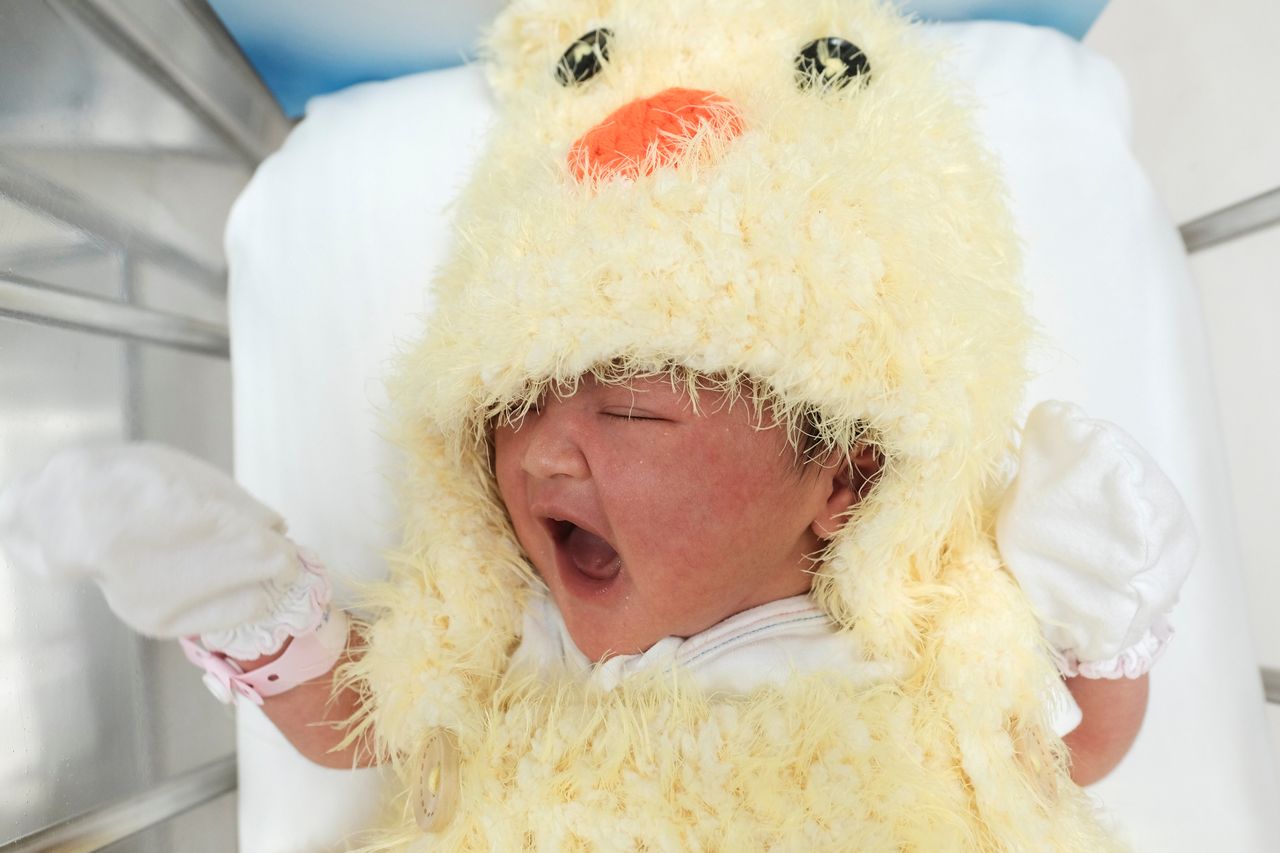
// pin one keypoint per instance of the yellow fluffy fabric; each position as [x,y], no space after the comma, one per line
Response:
[851,253]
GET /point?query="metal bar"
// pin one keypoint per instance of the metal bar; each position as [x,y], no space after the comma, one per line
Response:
[42,303]
[216,35]
[1240,219]
[98,828]
[54,200]
[50,255]
[1271,685]
[133,399]
[196,64]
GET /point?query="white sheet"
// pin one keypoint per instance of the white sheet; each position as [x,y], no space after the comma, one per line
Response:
[332,244]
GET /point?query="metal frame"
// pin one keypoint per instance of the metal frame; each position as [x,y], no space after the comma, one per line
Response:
[181,47]
[49,255]
[43,303]
[1271,685]
[96,829]
[1238,220]
[56,201]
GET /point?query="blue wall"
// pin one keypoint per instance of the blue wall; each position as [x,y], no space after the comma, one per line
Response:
[302,48]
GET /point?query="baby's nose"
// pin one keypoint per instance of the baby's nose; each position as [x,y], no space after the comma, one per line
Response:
[653,132]
[552,449]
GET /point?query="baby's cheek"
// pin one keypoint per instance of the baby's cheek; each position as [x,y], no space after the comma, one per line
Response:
[704,518]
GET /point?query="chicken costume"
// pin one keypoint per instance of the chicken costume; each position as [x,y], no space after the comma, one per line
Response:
[782,196]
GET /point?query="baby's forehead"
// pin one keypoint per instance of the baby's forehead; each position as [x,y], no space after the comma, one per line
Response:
[672,384]
[667,383]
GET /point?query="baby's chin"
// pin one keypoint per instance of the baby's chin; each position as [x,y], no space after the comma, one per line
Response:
[601,642]
[603,635]
[600,613]
[608,618]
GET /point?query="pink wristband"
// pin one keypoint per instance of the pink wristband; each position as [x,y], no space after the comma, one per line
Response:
[309,655]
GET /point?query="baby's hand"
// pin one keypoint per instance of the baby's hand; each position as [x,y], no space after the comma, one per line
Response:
[176,546]
[1099,540]
[178,549]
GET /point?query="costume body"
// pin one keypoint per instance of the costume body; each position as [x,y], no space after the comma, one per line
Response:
[810,226]
[689,746]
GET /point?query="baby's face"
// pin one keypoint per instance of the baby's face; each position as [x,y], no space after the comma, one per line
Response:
[647,519]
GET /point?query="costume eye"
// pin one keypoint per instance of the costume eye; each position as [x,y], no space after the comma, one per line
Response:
[585,58]
[830,63]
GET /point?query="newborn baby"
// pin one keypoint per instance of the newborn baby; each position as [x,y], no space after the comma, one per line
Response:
[705,445]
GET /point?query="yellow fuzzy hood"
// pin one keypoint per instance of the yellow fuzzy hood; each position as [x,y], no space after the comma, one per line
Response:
[849,248]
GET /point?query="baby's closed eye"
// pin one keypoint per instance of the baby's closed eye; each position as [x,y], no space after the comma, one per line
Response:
[630,414]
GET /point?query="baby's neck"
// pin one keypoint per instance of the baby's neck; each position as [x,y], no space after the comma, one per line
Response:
[762,645]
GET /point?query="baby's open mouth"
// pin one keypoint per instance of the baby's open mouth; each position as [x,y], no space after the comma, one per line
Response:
[590,554]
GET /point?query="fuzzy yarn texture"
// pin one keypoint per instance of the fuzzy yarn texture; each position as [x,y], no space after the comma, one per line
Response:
[845,252]
[649,133]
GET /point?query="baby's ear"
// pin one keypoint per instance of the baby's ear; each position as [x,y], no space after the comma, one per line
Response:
[865,464]
[852,479]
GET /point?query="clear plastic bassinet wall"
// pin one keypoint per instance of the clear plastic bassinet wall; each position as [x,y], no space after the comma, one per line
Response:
[126,130]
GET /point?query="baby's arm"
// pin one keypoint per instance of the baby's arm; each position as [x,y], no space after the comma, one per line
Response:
[1101,543]
[308,718]
[180,550]
[1112,714]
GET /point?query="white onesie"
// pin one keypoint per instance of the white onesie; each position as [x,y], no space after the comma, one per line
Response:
[763,645]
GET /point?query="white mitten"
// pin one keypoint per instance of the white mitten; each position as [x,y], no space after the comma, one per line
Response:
[1098,539]
[176,546]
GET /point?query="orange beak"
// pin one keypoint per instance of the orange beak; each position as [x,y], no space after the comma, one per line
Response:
[652,132]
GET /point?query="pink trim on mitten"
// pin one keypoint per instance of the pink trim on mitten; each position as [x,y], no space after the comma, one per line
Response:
[1133,662]
[297,608]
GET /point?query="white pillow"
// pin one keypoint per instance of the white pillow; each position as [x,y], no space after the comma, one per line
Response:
[333,242]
